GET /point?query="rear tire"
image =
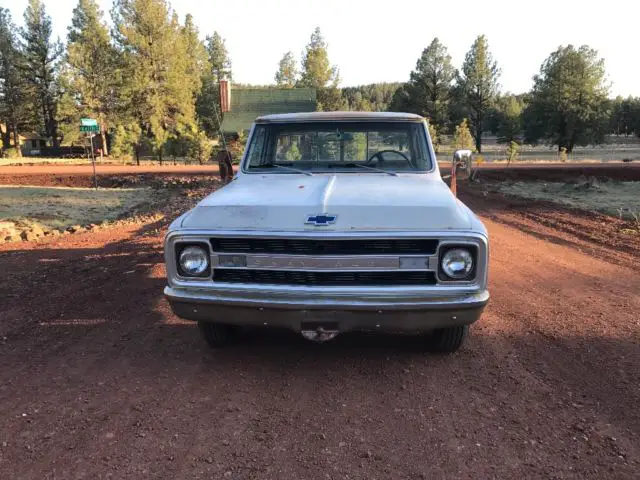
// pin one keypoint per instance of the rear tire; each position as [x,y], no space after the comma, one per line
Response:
[217,334]
[448,340]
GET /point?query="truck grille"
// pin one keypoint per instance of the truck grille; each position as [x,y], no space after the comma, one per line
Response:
[290,277]
[324,247]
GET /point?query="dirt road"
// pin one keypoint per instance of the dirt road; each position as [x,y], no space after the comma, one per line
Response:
[99,380]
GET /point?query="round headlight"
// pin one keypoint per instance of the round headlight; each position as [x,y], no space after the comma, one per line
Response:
[457,263]
[194,260]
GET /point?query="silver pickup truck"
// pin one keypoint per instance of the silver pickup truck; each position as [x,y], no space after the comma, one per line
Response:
[335,222]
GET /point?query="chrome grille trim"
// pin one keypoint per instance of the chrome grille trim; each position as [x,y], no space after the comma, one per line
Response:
[328,263]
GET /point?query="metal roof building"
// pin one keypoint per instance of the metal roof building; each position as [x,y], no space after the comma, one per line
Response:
[247,104]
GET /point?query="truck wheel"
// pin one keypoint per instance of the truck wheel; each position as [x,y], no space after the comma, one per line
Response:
[217,334]
[448,340]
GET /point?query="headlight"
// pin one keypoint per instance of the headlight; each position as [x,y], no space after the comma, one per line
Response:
[457,263]
[194,261]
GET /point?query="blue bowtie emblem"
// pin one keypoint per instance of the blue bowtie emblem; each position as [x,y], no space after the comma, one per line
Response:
[321,219]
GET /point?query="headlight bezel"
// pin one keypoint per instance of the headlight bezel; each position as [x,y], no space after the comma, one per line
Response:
[181,247]
[469,277]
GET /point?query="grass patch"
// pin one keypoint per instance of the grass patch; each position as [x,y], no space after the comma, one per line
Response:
[620,199]
[62,207]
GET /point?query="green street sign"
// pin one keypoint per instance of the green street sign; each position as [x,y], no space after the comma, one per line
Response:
[89,125]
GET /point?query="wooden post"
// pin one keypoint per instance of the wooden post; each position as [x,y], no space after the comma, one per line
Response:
[93,162]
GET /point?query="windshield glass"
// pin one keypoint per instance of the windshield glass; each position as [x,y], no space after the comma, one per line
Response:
[338,146]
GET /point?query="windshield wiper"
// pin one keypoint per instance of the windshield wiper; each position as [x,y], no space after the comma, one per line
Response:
[359,165]
[274,165]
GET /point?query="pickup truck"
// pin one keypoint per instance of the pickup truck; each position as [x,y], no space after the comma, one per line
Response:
[335,222]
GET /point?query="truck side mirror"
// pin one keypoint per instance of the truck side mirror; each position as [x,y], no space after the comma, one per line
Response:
[458,157]
[460,154]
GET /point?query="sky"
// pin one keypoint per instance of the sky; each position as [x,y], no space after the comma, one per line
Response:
[373,41]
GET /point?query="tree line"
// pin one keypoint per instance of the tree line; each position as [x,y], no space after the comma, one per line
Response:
[153,85]
[150,81]
[568,105]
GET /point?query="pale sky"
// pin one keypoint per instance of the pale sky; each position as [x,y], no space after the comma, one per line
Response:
[374,41]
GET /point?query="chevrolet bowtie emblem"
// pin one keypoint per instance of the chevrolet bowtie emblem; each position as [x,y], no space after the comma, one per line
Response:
[321,219]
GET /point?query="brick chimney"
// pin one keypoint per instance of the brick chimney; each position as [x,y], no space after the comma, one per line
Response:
[225,96]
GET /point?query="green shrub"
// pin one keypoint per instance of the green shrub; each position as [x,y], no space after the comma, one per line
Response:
[200,147]
[512,152]
[462,138]
[562,154]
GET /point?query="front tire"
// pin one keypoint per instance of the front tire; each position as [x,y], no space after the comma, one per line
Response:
[448,340]
[217,334]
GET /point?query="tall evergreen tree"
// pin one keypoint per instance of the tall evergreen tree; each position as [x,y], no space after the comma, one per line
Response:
[569,99]
[479,85]
[198,62]
[287,73]
[13,107]
[93,72]
[429,87]
[218,68]
[42,55]
[158,84]
[219,60]
[317,71]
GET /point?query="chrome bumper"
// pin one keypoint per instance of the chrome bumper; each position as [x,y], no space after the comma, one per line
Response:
[394,311]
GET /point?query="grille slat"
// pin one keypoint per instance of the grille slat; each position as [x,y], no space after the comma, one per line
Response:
[324,247]
[296,277]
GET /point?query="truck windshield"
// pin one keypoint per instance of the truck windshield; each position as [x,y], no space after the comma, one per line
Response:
[338,147]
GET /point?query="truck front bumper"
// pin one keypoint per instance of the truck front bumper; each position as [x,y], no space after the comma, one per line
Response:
[296,311]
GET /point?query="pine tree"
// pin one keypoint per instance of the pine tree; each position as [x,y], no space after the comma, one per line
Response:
[479,85]
[287,73]
[429,87]
[41,65]
[92,67]
[219,60]
[569,104]
[158,75]
[317,72]
[13,107]
[218,68]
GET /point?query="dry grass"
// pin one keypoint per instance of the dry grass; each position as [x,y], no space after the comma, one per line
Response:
[612,198]
[61,207]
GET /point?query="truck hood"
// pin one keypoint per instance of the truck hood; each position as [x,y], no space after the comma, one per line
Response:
[359,202]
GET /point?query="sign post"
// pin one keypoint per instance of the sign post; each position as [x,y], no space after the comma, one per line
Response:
[90,126]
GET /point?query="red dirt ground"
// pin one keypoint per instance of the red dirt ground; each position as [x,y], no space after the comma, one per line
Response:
[100,380]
